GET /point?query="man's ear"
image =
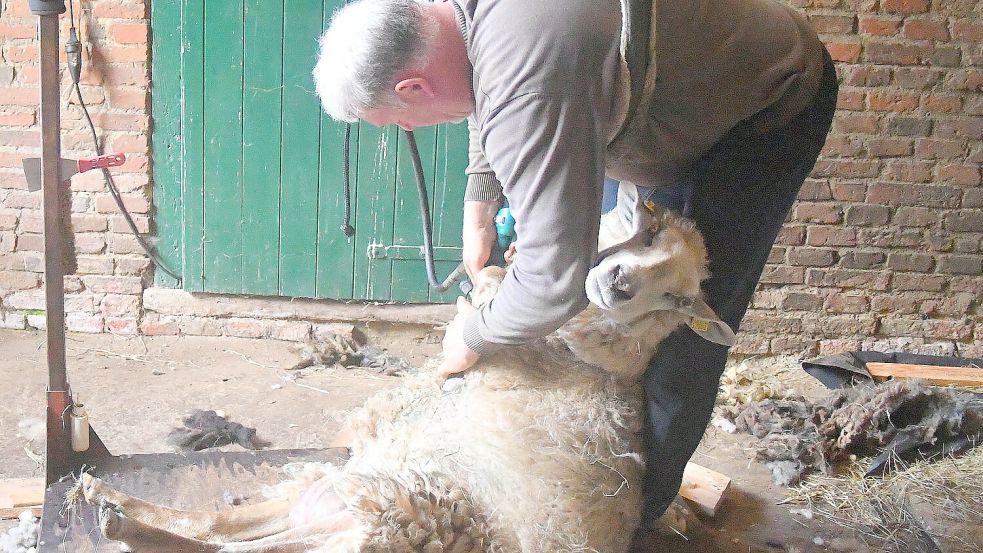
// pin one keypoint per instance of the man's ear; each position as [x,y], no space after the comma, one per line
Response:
[413,89]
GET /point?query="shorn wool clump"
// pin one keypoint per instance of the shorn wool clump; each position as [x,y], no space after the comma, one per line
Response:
[22,538]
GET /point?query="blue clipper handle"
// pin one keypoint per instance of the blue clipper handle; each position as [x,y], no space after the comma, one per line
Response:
[505,228]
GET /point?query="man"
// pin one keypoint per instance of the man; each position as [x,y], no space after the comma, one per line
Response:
[724,103]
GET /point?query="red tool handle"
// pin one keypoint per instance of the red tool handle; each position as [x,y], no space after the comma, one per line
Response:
[101,162]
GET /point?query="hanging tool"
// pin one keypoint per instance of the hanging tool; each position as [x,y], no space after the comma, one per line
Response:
[68,167]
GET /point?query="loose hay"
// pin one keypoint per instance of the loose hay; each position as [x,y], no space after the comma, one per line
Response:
[921,507]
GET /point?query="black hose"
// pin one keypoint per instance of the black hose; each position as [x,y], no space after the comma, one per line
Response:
[346,226]
[421,186]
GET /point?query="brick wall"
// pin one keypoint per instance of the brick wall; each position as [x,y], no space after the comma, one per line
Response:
[883,250]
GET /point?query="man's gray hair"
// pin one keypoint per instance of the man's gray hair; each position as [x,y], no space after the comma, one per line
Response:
[366,45]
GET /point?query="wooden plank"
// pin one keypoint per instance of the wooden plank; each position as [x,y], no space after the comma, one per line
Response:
[299,149]
[166,136]
[261,125]
[448,198]
[18,493]
[941,376]
[374,212]
[704,488]
[409,276]
[223,146]
[192,143]
[14,512]
[335,251]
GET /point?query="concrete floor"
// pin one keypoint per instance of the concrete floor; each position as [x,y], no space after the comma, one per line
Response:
[137,388]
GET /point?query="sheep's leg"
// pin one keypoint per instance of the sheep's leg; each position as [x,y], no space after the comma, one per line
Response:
[248,522]
[336,534]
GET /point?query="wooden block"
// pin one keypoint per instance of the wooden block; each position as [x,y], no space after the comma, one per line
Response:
[21,492]
[15,513]
[704,488]
[942,376]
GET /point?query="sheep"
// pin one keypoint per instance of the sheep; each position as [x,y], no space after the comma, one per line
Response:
[535,449]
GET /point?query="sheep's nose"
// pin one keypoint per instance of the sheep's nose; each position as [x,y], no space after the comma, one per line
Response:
[619,278]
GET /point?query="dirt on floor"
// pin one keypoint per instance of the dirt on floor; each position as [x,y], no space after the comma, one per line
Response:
[137,389]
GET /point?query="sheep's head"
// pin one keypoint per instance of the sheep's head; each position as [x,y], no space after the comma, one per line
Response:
[658,267]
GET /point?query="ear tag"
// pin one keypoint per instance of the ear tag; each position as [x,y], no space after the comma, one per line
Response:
[700,325]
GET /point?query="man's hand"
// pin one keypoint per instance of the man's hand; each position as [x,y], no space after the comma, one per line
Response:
[458,356]
[478,234]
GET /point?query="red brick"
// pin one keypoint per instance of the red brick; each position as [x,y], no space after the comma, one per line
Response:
[823,213]
[811,257]
[960,175]
[930,148]
[116,305]
[890,237]
[961,264]
[129,33]
[905,6]
[867,215]
[857,123]
[18,280]
[925,29]
[848,168]
[850,100]
[913,194]
[18,119]
[970,30]
[973,197]
[791,235]
[889,147]
[964,127]
[125,54]
[911,262]
[890,100]
[904,170]
[862,260]
[848,191]
[964,221]
[880,26]
[118,224]
[892,53]
[121,10]
[812,189]
[94,265]
[29,243]
[915,217]
[841,145]
[8,221]
[124,326]
[795,301]
[942,104]
[865,75]
[911,281]
[918,78]
[113,284]
[780,274]
[846,303]
[84,322]
[848,278]
[945,56]
[909,126]
[848,52]
[832,23]
[20,54]
[151,327]
[831,236]
[9,30]
[90,242]
[938,240]
[123,76]
[245,328]
[133,204]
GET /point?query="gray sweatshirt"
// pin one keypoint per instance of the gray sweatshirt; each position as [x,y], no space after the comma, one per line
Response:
[546,87]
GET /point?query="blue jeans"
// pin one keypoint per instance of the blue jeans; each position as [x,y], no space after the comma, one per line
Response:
[742,190]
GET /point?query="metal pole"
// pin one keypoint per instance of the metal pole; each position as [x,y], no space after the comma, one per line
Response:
[58,451]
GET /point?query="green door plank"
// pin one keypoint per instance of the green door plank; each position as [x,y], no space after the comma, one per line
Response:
[261,89]
[448,198]
[192,143]
[299,149]
[166,137]
[374,212]
[335,251]
[223,146]
[409,277]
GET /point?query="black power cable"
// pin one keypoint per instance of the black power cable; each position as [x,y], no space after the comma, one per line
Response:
[73,52]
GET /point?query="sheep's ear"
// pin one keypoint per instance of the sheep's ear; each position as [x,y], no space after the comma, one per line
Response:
[705,322]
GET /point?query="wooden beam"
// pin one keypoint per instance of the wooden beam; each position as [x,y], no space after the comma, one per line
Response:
[942,376]
[21,494]
[704,488]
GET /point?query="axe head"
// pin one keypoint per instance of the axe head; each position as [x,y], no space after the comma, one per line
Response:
[32,171]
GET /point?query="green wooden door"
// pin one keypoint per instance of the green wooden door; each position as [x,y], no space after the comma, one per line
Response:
[248,170]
